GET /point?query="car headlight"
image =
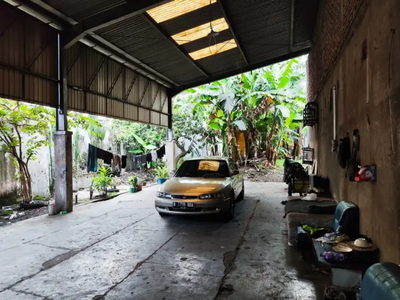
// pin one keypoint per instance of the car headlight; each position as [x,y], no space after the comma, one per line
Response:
[163,195]
[213,196]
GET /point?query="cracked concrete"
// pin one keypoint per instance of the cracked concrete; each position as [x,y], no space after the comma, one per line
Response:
[122,249]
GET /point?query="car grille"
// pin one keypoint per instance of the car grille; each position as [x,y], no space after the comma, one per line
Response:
[184,197]
[185,210]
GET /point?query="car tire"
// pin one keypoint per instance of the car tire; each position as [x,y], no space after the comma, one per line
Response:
[241,195]
[163,215]
[230,214]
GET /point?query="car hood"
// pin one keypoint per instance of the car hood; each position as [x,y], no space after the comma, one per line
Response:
[194,186]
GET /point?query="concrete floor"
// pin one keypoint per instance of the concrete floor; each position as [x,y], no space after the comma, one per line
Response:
[122,249]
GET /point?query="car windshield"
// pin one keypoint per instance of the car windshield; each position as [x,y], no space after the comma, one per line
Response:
[204,169]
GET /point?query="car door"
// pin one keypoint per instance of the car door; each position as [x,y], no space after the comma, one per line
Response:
[236,177]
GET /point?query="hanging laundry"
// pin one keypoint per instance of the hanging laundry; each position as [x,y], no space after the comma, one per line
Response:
[116,160]
[137,162]
[92,159]
[143,158]
[154,156]
[148,161]
[123,165]
[161,152]
[105,156]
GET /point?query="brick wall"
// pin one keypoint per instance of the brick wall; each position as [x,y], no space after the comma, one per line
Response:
[335,19]
[357,50]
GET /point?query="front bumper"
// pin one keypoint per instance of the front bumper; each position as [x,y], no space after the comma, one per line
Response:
[202,207]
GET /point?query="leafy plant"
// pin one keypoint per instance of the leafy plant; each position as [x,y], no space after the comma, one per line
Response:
[102,180]
[24,130]
[264,103]
[133,181]
[162,172]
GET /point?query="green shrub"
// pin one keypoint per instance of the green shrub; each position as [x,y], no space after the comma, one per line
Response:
[133,181]
[162,172]
[102,181]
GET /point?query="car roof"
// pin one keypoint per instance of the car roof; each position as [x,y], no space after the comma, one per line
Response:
[208,158]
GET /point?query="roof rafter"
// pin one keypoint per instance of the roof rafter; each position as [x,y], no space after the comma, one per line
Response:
[139,66]
[109,17]
[223,10]
[174,44]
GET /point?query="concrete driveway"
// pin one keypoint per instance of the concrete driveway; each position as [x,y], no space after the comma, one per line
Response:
[122,249]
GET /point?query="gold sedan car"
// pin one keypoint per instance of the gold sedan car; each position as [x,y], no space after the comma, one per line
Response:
[202,186]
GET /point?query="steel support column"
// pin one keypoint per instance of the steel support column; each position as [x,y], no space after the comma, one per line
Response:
[62,140]
[170,127]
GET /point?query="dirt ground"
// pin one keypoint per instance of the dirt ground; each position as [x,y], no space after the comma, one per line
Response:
[264,174]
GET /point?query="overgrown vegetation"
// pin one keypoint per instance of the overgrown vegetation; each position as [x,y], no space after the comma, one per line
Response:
[24,129]
[265,105]
[102,180]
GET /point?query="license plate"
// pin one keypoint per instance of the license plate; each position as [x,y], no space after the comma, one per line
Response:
[183,205]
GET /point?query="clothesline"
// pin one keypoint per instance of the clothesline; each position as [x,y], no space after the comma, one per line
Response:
[95,153]
[144,160]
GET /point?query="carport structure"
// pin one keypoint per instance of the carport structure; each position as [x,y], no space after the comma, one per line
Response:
[126,59]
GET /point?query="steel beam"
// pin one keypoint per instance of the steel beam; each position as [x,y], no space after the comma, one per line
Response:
[88,91]
[170,121]
[168,37]
[144,92]
[61,110]
[223,10]
[109,17]
[115,80]
[141,67]
[128,92]
[45,11]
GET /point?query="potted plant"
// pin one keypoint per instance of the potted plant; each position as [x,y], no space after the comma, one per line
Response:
[102,181]
[162,175]
[139,187]
[133,181]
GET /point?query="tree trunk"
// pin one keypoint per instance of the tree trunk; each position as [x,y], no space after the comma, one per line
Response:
[270,142]
[25,177]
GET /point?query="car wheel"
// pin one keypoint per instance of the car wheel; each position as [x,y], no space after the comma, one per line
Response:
[241,195]
[231,212]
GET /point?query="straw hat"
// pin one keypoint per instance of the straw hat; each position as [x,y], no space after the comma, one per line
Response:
[361,244]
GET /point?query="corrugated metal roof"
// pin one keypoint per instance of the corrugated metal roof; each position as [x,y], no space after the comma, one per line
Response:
[262,29]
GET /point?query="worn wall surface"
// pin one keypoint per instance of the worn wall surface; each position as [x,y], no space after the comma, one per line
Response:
[364,67]
[8,183]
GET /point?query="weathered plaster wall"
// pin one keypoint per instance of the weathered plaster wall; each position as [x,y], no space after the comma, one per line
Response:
[8,183]
[368,100]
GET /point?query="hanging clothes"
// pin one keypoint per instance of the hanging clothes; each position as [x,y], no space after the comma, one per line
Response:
[148,160]
[116,160]
[161,152]
[154,156]
[123,160]
[137,163]
[92,159]
[105,156]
